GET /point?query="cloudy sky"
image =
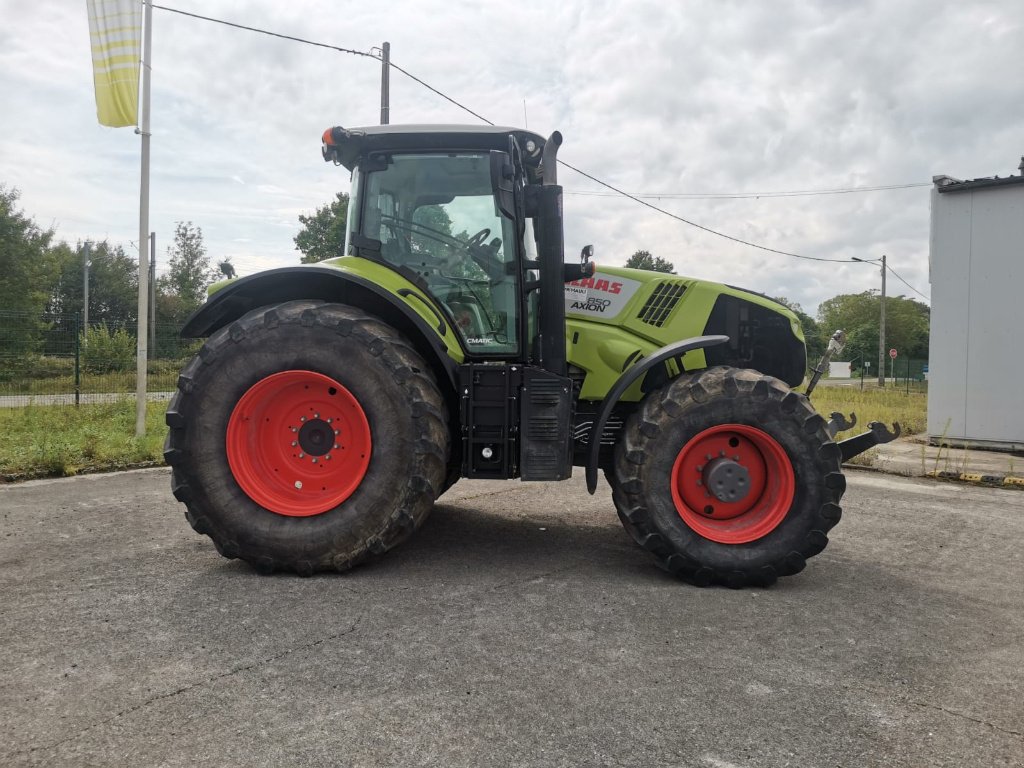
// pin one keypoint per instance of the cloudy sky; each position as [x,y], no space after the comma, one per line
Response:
[693,97]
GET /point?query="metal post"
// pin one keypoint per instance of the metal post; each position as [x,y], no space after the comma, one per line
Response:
[881,332]
[862,375]
[141,352]
[385,84]
[86,252]
[152,291]
[78,358]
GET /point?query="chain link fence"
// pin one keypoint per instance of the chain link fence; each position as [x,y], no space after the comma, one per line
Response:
[55,359]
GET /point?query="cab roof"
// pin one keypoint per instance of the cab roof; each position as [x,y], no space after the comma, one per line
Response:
[347,145]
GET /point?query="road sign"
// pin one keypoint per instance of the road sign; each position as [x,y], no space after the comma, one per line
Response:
[892,353]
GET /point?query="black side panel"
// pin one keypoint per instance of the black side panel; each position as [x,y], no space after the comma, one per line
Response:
[758,338]
[489,408]
[546,426]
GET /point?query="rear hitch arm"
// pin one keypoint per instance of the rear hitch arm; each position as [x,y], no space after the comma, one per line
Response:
[837,423]
[877,435]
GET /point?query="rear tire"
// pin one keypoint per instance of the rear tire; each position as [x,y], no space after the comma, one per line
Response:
[786,478]
[243,456]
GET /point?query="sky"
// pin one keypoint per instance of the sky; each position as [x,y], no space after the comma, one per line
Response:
[694,97]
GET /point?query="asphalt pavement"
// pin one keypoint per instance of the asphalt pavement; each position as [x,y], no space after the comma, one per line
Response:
[520,627]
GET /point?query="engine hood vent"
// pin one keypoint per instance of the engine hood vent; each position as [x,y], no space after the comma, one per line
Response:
[662,301]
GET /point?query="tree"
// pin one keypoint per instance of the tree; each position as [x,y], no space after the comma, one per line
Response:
[644,260]
[814,340]
[27,269]
[906,324]
[113,283]
[189,271]
[25,260]
[322,235]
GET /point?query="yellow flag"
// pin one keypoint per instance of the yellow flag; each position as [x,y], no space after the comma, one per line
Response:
[115,31]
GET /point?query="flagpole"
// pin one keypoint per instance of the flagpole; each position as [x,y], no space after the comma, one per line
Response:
[141,352]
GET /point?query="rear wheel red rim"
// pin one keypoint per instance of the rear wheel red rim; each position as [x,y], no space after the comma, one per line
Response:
[733,483]
[298,443]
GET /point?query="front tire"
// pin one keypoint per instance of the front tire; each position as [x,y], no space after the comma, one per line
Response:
[307,437]
[728,477]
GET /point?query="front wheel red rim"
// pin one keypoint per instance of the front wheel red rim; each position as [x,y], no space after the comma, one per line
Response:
[298,443]
[733,483]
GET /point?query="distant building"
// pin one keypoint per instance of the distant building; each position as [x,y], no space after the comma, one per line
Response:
[838,370]
[976,360]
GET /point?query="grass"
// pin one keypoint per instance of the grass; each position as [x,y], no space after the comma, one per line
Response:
[48,441]
[885,405]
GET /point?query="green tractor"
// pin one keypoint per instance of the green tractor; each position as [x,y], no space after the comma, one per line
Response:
[332,404]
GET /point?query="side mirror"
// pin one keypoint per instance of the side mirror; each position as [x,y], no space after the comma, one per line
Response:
[585,268]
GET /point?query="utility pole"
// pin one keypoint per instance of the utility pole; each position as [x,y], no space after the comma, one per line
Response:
[881,332]
[141,349]
[86,263]
[385,84]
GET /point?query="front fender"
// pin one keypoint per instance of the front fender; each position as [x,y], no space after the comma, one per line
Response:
[668,352]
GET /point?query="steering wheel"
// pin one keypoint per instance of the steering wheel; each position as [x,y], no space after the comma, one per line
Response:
[477,240]
[484,254]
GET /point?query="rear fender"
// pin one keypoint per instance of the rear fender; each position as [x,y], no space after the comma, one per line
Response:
[433,338]
[668,352]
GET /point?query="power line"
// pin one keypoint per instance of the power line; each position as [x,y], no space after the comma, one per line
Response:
[484,119]
[695,224]
[897,276]
[267,32]
[750,195]
[444,96]
[374,56]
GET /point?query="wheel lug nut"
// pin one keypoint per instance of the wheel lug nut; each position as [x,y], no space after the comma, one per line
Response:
[700,468]
[316,415]
[298,484]
[294,443]
[336,432]
[736,457]
[699,483]
[302,455]
[314,461]
[328,457]
[293,429]
[330,421]
[335,446]
[707,457]
[721,453]
[302,418]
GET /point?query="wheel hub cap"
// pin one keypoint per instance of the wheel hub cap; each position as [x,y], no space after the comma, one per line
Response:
[316,437]
[727,480]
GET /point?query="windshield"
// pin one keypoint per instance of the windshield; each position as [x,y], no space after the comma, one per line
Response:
[435,214]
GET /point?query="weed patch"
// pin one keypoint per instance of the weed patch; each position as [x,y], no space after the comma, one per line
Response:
[47,441]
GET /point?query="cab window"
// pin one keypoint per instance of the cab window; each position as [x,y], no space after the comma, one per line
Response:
[435,214]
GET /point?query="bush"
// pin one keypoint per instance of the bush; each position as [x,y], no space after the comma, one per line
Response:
[106,352]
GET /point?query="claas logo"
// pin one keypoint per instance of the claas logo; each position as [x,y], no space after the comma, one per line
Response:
[598,284]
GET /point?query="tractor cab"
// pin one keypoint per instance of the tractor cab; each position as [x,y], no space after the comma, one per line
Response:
[445,207]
